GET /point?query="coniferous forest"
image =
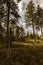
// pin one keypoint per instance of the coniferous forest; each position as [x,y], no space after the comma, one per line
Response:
[21,33]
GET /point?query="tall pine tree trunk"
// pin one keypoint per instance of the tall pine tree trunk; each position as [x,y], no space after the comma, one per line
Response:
[33,29]
[8,31]
[41,32]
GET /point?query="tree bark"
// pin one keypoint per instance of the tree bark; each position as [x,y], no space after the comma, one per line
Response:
[41,32]
[33,30]
[8,30]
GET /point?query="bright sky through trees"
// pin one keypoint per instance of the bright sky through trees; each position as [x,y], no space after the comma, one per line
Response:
[26,1]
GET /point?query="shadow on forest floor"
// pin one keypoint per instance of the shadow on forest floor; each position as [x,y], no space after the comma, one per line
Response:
[22,55]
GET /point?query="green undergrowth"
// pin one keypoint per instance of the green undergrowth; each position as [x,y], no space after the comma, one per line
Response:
[22,55]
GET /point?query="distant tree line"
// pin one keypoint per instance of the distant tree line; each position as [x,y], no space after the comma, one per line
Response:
[34,17]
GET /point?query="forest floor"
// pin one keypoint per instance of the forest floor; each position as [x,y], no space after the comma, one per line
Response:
[22,54]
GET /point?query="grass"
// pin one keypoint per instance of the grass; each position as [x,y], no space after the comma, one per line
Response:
[22,55]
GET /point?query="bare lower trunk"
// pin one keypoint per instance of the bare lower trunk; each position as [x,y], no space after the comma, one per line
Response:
[41,32]
[33,31]
[8,31]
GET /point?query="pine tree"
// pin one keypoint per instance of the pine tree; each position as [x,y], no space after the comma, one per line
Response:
[39,15]
[11,18]
[2,30]
[29,15]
